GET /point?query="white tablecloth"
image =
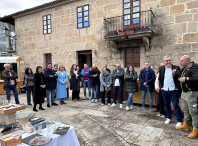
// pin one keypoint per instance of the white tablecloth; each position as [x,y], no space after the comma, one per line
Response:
[69,139]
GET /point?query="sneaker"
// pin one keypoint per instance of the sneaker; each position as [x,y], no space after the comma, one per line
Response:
[131,107]
[55,104]
[150,110]
[120,105]
[102,104]
[142,108]
[96,100]
[89,98]
[48,105]
[92,101]
[84,98]
[127,108]
[167,121]
[109,104]
[113,105]
[178,124]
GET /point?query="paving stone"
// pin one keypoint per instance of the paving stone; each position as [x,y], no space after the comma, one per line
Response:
[157,132]
[133,137]
[146,139]
[164,142]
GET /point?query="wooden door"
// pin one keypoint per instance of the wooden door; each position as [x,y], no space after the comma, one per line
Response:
[82,59]
[131,13]
[132,56]
[48,58]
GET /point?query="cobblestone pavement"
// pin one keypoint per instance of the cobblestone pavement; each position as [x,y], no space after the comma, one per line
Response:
[98,125]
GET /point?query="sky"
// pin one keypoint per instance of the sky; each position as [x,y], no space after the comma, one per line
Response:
[11,6]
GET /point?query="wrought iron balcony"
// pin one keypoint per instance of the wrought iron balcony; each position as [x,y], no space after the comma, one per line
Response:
[130,26]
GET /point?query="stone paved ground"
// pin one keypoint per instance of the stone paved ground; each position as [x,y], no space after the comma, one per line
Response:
[98,125]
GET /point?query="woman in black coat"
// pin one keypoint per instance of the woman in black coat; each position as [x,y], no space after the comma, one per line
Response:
[131,85]
[75,83]
[39,88]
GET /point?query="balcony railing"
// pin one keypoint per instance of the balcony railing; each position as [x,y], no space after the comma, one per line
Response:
[139,22]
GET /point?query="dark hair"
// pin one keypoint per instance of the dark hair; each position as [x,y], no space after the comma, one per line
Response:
[128,68]
[72,67]
[38,68]
[49,63]
[26,71]
[55,65]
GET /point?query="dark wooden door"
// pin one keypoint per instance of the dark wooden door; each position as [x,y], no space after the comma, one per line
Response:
[132,56]
[48,58]
[82,59]
[131,13]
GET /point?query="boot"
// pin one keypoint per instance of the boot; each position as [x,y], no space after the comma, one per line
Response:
[184,126]
[194,133]
[61,103]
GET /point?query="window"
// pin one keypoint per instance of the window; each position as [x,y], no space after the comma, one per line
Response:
[83,16]
[132,56]
[47,24]
[131,12]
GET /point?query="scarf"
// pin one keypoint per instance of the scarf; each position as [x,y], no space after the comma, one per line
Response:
[106,79]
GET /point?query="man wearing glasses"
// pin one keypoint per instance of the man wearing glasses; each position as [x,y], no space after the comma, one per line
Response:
[169,84]
[118,81]
[189,85]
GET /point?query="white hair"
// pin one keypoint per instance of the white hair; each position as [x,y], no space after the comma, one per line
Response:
[6,65]
[166,57]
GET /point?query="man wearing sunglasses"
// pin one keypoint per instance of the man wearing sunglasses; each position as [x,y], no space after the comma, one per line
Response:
[169,85]
[189,85]
[118,81]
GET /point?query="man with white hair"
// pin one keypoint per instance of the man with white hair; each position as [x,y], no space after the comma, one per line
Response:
[169,85]
[85,80]
[10,82]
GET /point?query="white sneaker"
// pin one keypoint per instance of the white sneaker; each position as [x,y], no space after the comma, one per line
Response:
[178,124]
[89,98]
[109,104]
[142,108]
[102,104]
[84,98]
[127,108]
[167,121]
[120,105]
[92,101]
[113,105]
[96,100]
[131,107]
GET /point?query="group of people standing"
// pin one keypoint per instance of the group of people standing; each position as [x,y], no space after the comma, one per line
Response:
[171,83]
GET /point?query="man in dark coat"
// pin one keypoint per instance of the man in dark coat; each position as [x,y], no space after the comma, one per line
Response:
[147,78]
[169,85]
[51,82]
[94,75]
[10,82]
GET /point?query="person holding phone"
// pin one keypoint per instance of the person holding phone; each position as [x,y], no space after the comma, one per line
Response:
[169,85]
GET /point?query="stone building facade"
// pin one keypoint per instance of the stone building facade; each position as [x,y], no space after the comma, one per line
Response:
[174,33]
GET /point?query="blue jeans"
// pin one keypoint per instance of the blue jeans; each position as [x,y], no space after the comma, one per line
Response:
[130,99]
[14,89]
[174,97]
[52,95]
[150,97]
[115,91]
[95,88]
[86,84]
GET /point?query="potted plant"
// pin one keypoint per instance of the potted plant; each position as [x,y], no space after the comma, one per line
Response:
[139,29]
[146,28]
[112,33]
[130,31]
[122,32]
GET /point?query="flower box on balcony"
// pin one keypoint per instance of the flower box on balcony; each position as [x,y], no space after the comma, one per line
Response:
[122,32]
[130,31]
[112,33]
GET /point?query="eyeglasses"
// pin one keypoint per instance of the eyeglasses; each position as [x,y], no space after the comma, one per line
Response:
[117,66]
[168,60]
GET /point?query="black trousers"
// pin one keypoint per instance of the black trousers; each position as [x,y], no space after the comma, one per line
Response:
[109,97]
[67,92]
[75,95]
[29,90]
[162,104]
[39,106]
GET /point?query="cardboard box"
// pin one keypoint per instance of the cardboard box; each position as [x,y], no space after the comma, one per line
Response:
[12,110]
[8,118]
[10,142]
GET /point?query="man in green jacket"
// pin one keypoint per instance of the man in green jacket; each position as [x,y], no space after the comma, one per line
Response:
[118,81]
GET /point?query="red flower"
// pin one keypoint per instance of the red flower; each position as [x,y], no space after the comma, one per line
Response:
[142,26]
[115,30]
[120,30]
[109,31]
[124,29]
[146,26]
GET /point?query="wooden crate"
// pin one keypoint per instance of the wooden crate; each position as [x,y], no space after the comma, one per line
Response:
[13,110]
[10,142]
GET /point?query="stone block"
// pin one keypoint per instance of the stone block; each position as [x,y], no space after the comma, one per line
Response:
[177,9]
[101,14]
[146,139]
[183,1]
[195,16]
[195,47]
[158,40]
[175,48]
[189,38]
[164,20]
[65,21]
[109,7]
[167,3]
[183,18]
[192,27]
[174,29]
[192,5]
[90,38]
[161,11]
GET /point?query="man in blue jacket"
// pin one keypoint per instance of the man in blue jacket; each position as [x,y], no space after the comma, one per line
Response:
[51,82]
[147,78]
[85,81]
